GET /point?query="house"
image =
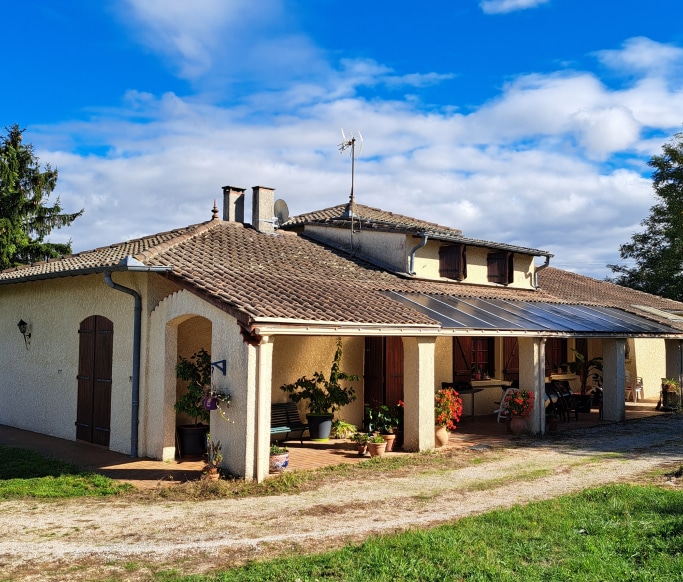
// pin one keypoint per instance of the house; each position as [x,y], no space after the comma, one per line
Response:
[416,304]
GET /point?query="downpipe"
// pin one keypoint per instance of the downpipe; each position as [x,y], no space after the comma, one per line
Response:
[137,329]
[411,265]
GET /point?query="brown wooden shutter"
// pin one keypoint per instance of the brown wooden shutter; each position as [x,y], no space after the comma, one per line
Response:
[462,352]
[510,358]
[373,372]
[500,267]
[393,370]
[453,262]
[93,407]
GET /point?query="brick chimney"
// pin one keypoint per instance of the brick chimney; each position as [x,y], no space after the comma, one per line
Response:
[262,211]
[233,204]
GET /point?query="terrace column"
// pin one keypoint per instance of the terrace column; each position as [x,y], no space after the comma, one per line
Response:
[532,377]
[418,393]
[674,359]
[264,376]
[614,379]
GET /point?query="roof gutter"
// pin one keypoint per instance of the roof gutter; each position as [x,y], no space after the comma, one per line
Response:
[540,268]
[421,244]
[132,264]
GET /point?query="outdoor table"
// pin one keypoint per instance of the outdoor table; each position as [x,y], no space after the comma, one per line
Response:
[479,385]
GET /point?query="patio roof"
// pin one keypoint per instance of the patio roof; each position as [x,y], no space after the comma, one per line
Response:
[504,315]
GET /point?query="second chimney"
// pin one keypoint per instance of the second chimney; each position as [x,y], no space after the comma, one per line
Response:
[263,201]
[233,204]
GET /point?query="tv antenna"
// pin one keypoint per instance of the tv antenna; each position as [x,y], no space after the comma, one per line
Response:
[354,140]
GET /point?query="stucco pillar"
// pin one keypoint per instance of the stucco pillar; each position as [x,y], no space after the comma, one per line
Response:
[418,392]
[674,359]
[165,415]
[264,376]
[614,379]
[532,377]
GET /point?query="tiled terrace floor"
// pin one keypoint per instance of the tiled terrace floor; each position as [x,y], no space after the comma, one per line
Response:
[148,473]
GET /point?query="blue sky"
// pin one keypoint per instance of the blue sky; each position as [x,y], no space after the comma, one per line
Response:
[521,121]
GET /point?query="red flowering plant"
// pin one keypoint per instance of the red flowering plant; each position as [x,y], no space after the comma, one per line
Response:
[520,403]
[447,408]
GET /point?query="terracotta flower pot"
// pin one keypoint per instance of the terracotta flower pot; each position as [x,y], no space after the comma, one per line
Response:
[517,425]
[390,439]
[440,436]
[377,449]
[211,474]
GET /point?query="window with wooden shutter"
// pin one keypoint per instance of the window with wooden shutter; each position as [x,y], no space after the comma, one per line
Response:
[500,267]
[453,262]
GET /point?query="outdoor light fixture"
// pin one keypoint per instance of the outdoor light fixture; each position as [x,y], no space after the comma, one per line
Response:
[23,326]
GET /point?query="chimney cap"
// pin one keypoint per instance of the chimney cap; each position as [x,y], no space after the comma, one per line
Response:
[234,188]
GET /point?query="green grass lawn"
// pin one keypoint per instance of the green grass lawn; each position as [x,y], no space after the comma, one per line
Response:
[617,532]
[24,473]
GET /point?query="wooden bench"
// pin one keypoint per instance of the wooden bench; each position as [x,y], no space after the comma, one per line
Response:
[284,419]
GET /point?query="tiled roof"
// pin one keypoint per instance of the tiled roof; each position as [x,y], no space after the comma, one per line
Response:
[287,276]
[282,276]
[101,257]
[371,216]
[376,219]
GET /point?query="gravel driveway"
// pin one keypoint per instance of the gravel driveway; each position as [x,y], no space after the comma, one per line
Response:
[87,539]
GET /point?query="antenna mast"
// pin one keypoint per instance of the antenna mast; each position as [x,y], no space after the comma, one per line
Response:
[349,140]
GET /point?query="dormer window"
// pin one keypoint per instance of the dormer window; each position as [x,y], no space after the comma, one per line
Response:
[453,262]
[500,267]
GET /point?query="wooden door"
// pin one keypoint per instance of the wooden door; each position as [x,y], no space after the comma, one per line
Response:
[383,370]
[93,409]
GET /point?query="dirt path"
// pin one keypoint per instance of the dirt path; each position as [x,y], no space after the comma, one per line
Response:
[121,539]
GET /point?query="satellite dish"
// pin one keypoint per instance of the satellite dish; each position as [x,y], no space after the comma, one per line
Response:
[281,211]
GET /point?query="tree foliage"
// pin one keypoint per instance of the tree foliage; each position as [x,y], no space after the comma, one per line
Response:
[658,250]
[25,218]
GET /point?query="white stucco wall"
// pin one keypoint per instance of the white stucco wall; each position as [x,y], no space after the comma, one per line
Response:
[296,356]
[648,360]
[387,247]
[38,386]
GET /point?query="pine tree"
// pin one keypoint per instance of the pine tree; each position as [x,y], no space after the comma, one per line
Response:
[658,250]
[25,218]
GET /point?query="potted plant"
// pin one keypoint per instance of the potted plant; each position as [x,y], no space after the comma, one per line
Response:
[384,420]
[447,411]
[279,458]
[670,397]
[325,396]
[519,404]
[584,368]
[342,429]
[196,371]
[214,456]
[361,440]
[376,445]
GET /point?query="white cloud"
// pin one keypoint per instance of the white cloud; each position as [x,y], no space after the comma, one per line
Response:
[643,55]
[525,168]
[505,6]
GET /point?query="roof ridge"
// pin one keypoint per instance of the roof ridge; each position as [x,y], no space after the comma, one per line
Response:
[196,230]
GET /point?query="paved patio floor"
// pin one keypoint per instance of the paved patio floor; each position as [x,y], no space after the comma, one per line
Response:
[149,473]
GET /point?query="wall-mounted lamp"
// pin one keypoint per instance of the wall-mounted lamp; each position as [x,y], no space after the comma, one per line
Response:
[23,327]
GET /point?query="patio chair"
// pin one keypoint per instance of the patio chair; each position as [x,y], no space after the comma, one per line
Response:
[502,410]
[566,398]
[553,402]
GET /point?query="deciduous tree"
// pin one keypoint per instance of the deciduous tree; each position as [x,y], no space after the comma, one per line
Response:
[658,250]
[25,218]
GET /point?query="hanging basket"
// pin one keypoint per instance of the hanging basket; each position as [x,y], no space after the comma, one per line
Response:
[210,403]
